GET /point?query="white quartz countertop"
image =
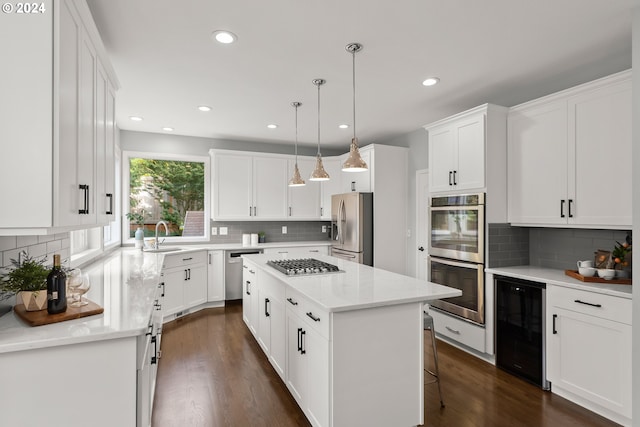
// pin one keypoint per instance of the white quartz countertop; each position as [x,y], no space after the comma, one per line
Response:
[124,283]
[358,286]
[559,278]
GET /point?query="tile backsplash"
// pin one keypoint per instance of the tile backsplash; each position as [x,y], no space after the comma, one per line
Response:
[35,246]
[297,231]
[557,248]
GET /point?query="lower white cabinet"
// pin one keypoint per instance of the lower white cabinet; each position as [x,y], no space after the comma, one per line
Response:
[215,276]
[271,334]
[467,333]
[185,281]
[589,350]
[250,296]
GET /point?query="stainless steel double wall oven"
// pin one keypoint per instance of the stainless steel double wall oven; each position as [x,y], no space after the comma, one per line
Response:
[456,252]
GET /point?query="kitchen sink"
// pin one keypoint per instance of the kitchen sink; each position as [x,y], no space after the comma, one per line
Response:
[164,249]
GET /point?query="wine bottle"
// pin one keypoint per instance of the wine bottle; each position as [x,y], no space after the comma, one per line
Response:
[56,288]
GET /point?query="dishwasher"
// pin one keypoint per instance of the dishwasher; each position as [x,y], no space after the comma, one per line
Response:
[520,329]
[233,272]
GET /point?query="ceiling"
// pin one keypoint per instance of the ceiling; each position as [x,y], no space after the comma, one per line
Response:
[500,51]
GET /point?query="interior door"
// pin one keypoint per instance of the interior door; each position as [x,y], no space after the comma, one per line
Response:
[422,223]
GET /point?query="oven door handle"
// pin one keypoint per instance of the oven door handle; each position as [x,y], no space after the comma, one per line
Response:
[471,266]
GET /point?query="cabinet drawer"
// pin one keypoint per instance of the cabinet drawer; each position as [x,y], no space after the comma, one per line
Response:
[591,303]
[458,330]
[294,302]
[183,259]
[271,286]
[317,318]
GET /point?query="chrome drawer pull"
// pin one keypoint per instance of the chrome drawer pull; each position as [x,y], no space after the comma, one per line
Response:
[453,331]
[588,303]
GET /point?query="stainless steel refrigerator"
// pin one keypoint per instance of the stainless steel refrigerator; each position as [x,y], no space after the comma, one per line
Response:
[352,227]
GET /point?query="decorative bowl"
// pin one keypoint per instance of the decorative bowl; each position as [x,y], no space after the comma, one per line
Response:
[587,271]
[606,273]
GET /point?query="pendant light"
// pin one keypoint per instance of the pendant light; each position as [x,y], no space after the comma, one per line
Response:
[297,180]
[319,174]
[354,162]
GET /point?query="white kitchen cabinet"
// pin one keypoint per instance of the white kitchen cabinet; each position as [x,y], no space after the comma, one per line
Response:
[589,350]
[185,282]
[304,202]
[570,157]
[357,181]
[457,153]
[58,123]
[271,334]
[307,359]
[250,302]
[249,187]
[105,147]
[215,276]
[333,166]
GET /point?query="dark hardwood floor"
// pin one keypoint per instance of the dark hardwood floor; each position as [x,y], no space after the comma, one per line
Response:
[213,373]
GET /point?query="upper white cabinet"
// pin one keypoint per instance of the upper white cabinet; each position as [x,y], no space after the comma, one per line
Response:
[59,130]
[570,157]
[248,186]
[468,153]
[304,202]
[457,153]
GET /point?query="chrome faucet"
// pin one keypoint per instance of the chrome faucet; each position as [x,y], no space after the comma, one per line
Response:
[156,245]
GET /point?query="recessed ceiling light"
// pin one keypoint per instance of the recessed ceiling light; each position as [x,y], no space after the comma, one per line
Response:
[224,37]
[204,108]
[430,81]
[168,129]
[136,118]
[272,126]
[343,126]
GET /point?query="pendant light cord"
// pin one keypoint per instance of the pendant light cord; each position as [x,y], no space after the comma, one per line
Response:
[296,105]
[353,53]
[318,119]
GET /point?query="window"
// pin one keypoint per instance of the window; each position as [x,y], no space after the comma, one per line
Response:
[169,188]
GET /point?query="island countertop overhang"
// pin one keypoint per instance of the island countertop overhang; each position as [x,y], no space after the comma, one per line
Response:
[357,286]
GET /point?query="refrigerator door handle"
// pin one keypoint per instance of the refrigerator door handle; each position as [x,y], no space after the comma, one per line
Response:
[343,216]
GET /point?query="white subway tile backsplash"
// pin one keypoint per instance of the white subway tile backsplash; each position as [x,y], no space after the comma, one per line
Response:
[27,241]
[54,245]
[37,251]
[46,238]
[8,242]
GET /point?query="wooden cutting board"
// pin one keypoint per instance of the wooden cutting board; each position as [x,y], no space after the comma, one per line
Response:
[576,275]
[41,317]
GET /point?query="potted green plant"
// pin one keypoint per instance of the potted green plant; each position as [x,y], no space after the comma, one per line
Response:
[29,280]
[261,237]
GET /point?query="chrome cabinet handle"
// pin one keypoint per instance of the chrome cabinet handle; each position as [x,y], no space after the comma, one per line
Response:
[453,331]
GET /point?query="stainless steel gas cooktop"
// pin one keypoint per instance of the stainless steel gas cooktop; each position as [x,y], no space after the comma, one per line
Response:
[301,266]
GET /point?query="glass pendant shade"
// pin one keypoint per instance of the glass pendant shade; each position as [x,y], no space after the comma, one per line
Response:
[354,162]
[296,180]
[319,174]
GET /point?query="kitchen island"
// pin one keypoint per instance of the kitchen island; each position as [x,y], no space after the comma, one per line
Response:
[349,344]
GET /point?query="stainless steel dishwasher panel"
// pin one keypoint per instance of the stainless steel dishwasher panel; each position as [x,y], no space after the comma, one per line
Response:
[233,272]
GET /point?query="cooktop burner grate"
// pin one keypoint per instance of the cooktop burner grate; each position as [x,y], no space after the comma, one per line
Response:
[294,267]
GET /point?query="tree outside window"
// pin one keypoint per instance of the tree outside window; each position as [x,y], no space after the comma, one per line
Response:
[168,190]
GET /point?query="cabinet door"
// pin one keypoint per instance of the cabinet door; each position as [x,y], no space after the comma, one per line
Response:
[246,302]
[441,154]
[264,321]
[333,166]
[102,201]
[296,362]
[304,202]
[67,196]
[232,186]
[173,291]
[86,132]
[270,188]
[278,350]
[537,165]
[317,393]
[600,156]
[357,181]
[470,152]
[215,276]
[590,357]
[195,285]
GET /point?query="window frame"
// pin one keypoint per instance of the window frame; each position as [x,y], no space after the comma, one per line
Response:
[126,179]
